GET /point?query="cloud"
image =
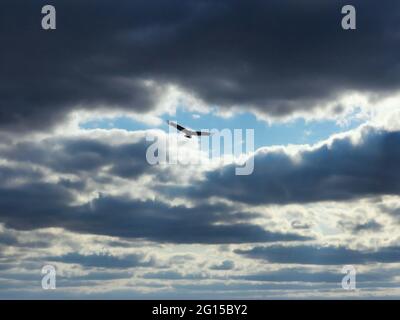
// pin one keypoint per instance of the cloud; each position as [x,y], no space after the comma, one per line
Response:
[50,205]
[83,155]
[335,171]
[173,275]
[104,260]
[78,190]
[10,174]
[297,224]
[98,276]
[7,239]
[318,255]
[273,57]
[371,225]
[224,265]
[391,209]
[368,226]
[313,276]
[142,59]
[10,239]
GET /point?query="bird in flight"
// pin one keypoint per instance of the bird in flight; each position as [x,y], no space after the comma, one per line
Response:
[187,132]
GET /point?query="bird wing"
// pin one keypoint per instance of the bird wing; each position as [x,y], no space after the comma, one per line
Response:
[175,125]
[181,128]
[203,133]
[186,131]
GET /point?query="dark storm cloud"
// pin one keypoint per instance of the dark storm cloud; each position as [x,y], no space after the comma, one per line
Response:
[83,155]
[341,171]
[276,56]
[9,174]
[49,205]
[7,240]
[307,254]
[32,205]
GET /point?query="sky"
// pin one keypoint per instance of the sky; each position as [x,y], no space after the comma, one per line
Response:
[82,105]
